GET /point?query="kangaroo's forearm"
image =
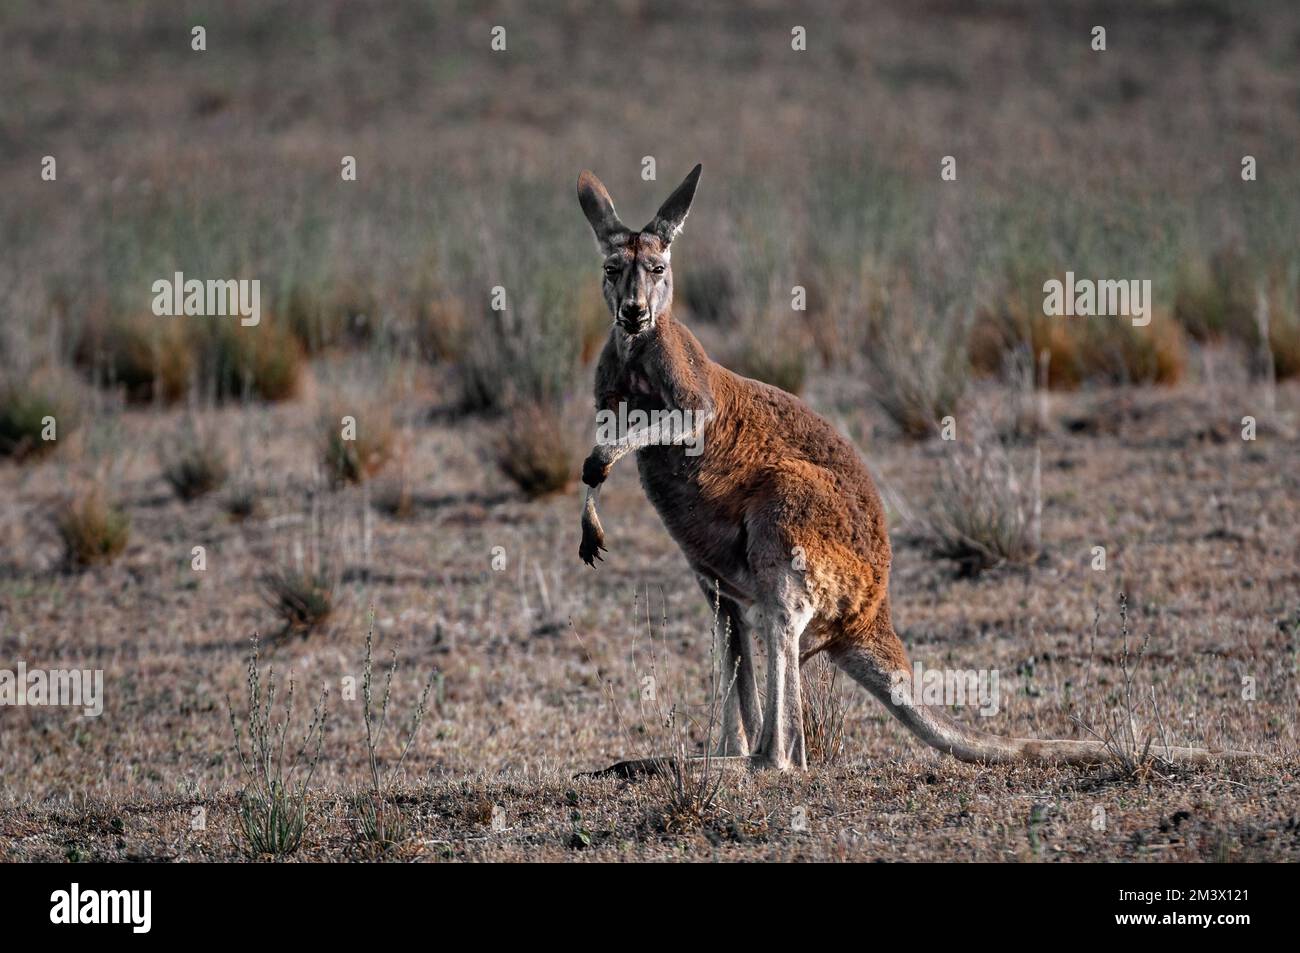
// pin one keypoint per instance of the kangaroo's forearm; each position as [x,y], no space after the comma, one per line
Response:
[659,433]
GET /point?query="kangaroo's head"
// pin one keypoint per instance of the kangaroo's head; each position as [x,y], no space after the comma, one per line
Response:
[638,272]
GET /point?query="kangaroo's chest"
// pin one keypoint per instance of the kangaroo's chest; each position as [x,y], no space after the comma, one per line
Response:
[708,527]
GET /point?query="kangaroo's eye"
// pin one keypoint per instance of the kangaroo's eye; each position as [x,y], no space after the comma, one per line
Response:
[658,269]
[611,271]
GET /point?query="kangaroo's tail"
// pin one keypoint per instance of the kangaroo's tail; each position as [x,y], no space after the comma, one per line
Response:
[891,684]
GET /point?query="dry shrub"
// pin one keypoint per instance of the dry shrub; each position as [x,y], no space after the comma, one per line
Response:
[985,511]
[148,357]
[916,357]
[439,325]
[1115,352]
[303,598]
[824,711]
[323,314]
[26,401]
[533,449]
[1284,343]
[193,463]
[264,361]
[93,530]
[357,449]
[527,352]
[241,502]
[1097,349]
[1129,724]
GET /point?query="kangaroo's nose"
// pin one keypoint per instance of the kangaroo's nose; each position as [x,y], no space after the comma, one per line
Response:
[632,311]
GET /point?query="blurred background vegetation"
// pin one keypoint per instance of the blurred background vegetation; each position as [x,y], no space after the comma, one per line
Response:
[821,170]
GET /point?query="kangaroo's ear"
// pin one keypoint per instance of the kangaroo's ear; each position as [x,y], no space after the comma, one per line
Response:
[599,209]
[668,222]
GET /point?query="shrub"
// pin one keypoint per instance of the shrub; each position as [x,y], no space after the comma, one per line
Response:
[302,598]
[193,464]
[533,450]
[1102,348]
[918,365]
[380,824]
[439,325]
[93,530]
[241,501]
[527,352]
[25,404]
[263,361]
[708,291]
[273,803]
[354,451]
[824,711]
[984,513]
[149,358]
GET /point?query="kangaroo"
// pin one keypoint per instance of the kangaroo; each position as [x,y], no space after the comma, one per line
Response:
[774,487]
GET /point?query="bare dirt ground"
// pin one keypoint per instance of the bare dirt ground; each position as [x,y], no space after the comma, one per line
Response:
[1199,527]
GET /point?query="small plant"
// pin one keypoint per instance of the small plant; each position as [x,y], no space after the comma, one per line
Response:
[526,355]
[93,530]
[824,711]
[273,803]
[32,409]
[263,361]
[241,500]
[302,598]
[355,444]
[381,827]
[149,360]
[984,512]
[533,450]
[193,464]
[1126,730]
[918,365]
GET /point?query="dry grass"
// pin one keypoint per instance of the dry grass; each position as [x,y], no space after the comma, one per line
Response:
[917,359]
[356,440]
[1099,350]
[194,463]
[535,451]
[302,598]
[93,530]
[278,769]
[987,509]
[36,411]
[824,711]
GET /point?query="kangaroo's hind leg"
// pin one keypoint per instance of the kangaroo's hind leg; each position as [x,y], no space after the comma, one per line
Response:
[781,618]
[742,717]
